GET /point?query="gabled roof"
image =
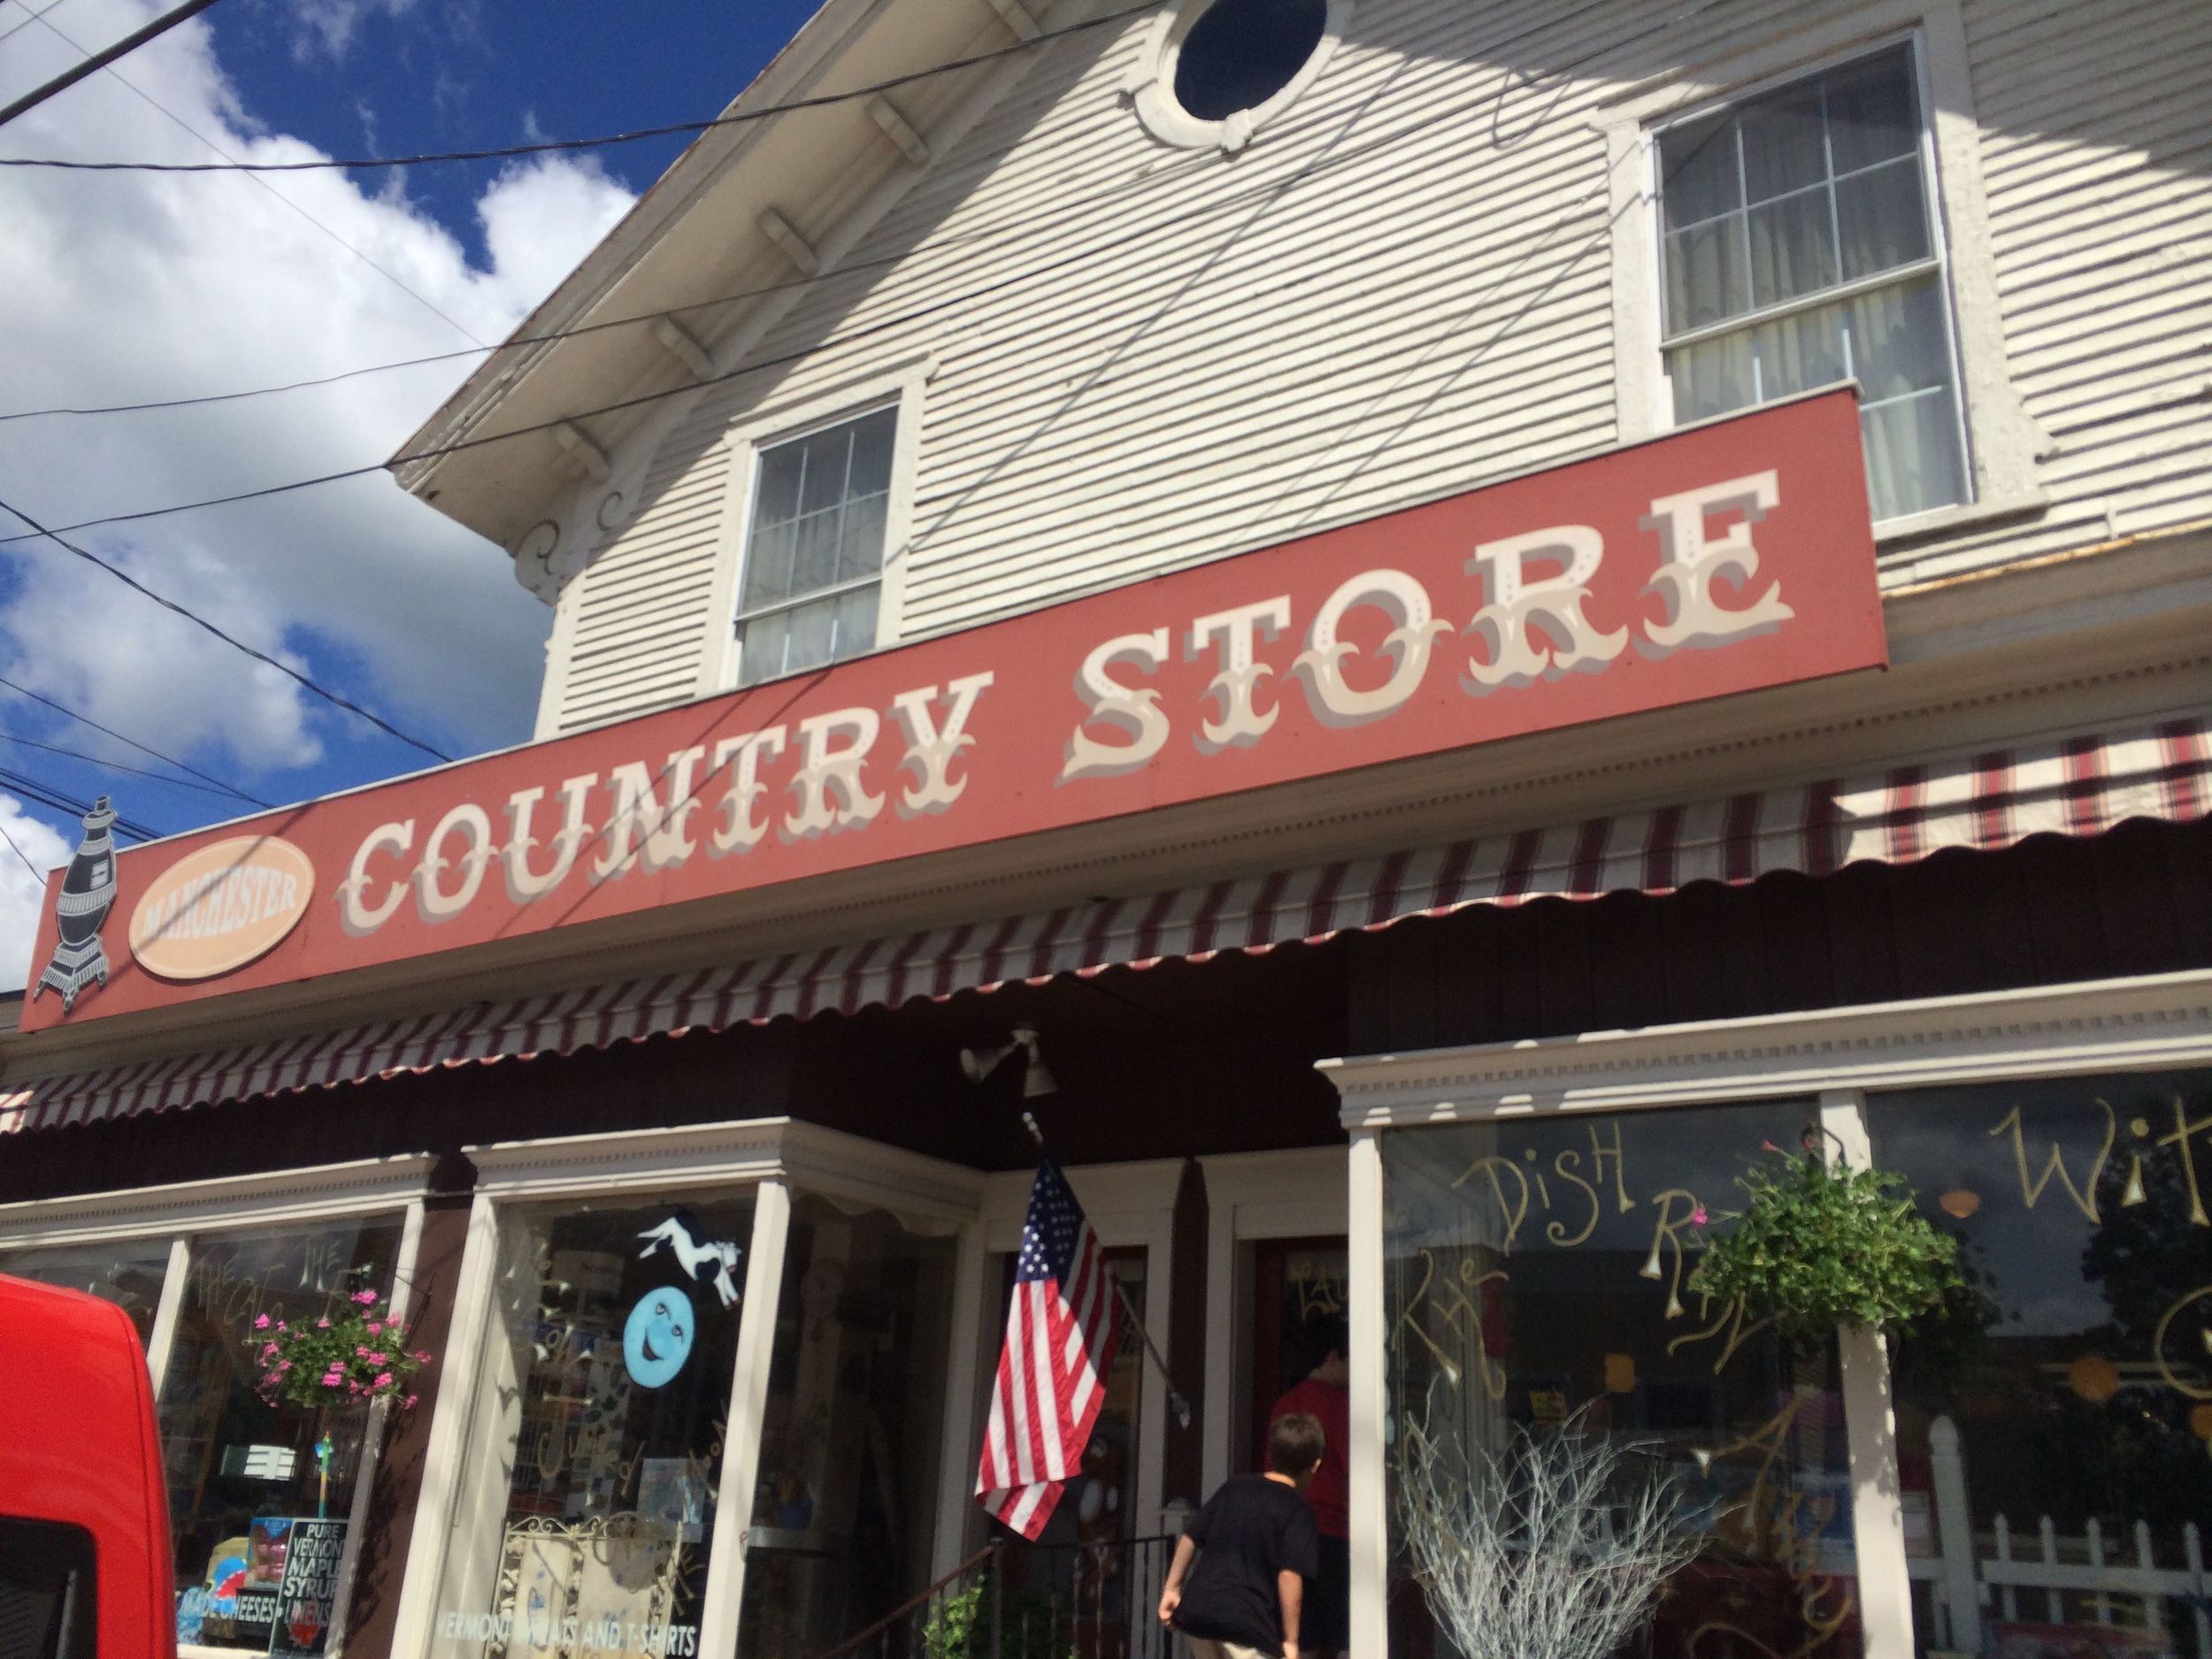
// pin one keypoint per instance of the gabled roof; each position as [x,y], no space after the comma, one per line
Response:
[748,207]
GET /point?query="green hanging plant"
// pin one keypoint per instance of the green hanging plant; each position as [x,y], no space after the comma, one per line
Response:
[1817,1246]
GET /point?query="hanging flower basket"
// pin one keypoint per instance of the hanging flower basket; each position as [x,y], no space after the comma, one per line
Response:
[1817,1246]
[356,1354]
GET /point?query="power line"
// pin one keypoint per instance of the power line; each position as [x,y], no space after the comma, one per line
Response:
[50,5]
[112,765]
[100,60]
[46,795]
[194,618]
[149,98]
[37,875]
[86,719]
[553,146]
[1031,224]
[1412,129]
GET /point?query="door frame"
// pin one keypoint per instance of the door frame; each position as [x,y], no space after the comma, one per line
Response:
[1130,1206]
[1251,1196]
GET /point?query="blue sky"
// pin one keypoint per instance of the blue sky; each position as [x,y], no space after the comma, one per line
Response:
[455,75]
[126,286]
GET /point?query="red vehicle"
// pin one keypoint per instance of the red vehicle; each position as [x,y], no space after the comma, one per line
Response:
[85,1570]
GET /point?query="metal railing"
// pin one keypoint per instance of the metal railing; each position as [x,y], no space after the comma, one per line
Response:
[1012,1600]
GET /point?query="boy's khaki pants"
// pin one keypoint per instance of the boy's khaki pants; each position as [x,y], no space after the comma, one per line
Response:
[1202,1649]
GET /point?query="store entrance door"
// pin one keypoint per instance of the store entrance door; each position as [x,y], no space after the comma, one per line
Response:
[1297,1311]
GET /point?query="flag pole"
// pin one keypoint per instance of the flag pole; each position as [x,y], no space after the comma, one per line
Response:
[1174,1395]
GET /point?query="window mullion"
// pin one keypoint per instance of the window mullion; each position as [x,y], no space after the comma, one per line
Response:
[835,590]
[161,1336]
[1896,276]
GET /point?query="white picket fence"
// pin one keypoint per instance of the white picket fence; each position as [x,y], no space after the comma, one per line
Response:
[2031,1576]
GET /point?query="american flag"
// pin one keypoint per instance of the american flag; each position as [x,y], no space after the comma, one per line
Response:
[1061,1334]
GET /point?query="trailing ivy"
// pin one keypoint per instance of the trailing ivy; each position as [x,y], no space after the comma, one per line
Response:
[1816,1247]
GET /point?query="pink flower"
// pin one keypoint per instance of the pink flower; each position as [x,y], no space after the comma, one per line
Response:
[364,1297]
[360,1353]
[1698,1218]
[422,1355]
[374,1328]
[1767,1146]
[378,1359]
[408,1404]
[268,1349]
[281,1325]
[331,1382]
[261,1321]
[284,1364]
[383,1380]
[322,1324]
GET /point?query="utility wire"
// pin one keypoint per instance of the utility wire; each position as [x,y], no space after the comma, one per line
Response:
[382,271]
[1411,129]
[100,60]
[553,146]
[37,875]
[15,29]
[194,618]
[86,719]
[112,765]
[47,795]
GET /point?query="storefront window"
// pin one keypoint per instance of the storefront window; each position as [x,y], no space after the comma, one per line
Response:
[844,1507]
[128,1274]
[1536,1285]
[596,1452]
[248,1490]
[2055,1426]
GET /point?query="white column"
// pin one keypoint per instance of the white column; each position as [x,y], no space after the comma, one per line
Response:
[1370,1402]
[748,1403]
[1877,1518]
[372,1441]
[1224,1320]
[1955,1536]
[442,1459]
[964,1358]
[163,1335]
[1154,1411]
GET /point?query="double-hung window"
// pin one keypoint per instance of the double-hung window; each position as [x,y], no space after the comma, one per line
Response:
[1799,246]
[813,567]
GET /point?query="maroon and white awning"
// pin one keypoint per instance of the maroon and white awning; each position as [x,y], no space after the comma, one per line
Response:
[2079,785]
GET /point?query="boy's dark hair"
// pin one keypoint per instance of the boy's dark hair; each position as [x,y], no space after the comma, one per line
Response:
[1294,1444]
[1327,1336]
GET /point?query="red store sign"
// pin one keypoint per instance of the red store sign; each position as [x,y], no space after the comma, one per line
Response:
[1718,560]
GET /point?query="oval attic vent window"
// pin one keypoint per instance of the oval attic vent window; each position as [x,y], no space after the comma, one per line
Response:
[1240,53]
[1214,71]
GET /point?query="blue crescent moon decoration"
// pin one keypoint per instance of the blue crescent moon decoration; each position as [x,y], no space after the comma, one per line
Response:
[656,1339]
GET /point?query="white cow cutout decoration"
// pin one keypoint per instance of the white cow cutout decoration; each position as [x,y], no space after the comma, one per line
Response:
[693,1255]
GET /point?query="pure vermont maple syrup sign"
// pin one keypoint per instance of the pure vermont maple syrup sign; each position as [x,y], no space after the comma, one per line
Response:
[1714,561]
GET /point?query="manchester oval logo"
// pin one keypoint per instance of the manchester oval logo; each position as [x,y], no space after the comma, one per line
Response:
[221,907]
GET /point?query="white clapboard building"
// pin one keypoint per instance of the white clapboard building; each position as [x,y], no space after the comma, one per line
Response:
[1426,628]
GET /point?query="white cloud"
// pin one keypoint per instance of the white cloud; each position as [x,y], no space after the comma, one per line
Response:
[21,893]
[124,286]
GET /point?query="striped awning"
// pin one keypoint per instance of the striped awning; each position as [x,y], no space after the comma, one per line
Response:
[2079,785]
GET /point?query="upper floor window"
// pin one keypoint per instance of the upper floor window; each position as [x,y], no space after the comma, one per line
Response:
[1799,246]
[813,573]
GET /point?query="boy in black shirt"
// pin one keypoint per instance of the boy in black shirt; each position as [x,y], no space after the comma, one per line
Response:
[1256,1546]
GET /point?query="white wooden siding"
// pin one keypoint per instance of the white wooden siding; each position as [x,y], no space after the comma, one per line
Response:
[1402,290]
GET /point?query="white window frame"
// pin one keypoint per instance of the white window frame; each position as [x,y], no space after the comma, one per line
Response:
[1150,83]
[1838,1056]
[774,1158]
[187,1211]
[2001,439]
[900,387]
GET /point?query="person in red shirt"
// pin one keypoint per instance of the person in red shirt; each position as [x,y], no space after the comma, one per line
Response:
[1325,1396]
